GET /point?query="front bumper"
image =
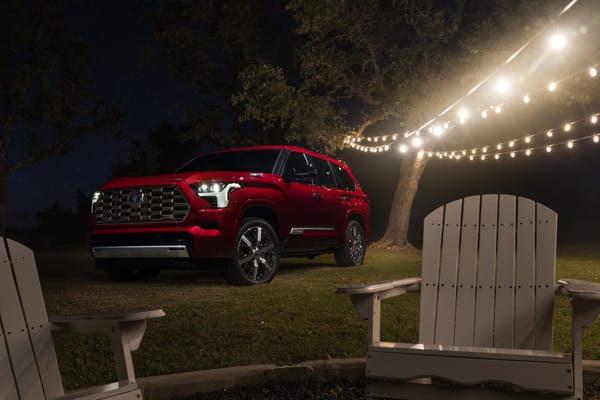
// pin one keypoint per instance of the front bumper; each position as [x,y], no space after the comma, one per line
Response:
[210,235]
[158,251]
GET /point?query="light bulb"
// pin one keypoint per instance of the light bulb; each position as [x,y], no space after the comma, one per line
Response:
[552,86]
[558,41]
[593,72]
[570,144]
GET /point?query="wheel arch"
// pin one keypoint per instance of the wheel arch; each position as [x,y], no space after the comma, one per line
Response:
[353,216]
[262,211]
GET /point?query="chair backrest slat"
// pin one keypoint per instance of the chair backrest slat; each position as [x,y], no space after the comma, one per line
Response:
[34,309]
[8,388]
[432,239]
[505,274]
[446,309]
[488,273]
[524,275]
[467,273]
[547,222]
[21,355]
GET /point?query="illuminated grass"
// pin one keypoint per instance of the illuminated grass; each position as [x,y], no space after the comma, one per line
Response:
[210,324]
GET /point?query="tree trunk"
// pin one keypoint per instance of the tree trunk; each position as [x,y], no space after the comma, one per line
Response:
[396,235]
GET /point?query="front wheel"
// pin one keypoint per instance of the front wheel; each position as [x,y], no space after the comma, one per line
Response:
[355,246]
[257,254]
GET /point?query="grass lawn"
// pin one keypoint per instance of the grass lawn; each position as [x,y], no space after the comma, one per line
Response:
[295,318]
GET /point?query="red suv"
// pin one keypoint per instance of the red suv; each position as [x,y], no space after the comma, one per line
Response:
[249,206]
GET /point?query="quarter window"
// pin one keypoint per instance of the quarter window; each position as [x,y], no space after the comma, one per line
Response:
[344,180]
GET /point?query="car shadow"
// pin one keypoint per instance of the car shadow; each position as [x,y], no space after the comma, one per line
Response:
[68,266]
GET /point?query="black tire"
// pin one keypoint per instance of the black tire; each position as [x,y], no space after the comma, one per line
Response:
[256,254]
[127,270]
[355,246]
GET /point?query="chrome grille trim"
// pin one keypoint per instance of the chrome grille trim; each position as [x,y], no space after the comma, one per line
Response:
[135,205]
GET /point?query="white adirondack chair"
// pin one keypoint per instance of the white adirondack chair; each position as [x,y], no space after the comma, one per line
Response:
[487,291]
[28,364]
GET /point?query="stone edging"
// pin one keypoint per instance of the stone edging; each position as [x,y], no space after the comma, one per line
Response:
[167,387]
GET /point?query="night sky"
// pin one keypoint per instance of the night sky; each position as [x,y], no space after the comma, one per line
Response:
[120,32]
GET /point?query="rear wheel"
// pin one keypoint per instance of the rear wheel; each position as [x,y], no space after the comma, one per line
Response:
[257,254]
[128,270]
[355,246]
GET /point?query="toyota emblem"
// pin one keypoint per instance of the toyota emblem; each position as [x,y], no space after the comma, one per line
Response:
[135,197]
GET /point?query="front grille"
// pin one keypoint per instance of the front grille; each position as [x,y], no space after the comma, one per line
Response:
[141,205]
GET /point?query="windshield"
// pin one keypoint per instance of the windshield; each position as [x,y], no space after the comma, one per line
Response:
[246,160]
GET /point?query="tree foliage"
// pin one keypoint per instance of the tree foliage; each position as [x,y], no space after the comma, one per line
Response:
[357,67]
[46,101]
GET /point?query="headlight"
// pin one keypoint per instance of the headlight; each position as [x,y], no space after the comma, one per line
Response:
[95,198]
[216,193]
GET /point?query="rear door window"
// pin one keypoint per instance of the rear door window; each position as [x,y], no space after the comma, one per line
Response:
[325,175]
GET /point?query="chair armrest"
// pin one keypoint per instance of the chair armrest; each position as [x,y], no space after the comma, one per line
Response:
[586,300]
[580,289]
[366,298]
[100,322]
[410,284]
[126,330]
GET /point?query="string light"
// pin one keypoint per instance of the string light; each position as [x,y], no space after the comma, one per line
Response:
[558,41]
[439,129]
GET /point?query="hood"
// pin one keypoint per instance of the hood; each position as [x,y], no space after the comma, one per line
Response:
[186,177]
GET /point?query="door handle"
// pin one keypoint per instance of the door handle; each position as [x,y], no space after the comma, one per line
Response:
[317,196]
